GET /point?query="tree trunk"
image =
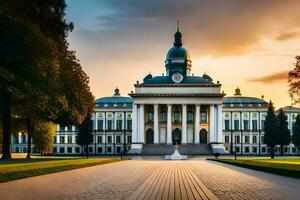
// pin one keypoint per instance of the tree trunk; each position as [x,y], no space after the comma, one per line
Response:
[272,152]
[82,152]
[281,150]
[5,114]
[87,151]
[29,132]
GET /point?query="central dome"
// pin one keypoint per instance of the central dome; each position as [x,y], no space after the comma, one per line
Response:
[178,58]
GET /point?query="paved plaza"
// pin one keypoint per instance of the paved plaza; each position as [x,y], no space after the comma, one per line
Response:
[153,178]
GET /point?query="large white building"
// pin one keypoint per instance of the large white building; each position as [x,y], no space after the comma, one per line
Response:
[175,108]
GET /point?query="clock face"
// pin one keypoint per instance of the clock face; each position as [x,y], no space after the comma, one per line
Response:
[177,77]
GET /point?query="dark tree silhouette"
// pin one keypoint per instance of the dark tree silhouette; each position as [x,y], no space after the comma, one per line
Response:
[294,82]
[296,134]
[283,132]
[270,136]
[85,136]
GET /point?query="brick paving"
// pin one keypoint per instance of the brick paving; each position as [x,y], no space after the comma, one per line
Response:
[154,179]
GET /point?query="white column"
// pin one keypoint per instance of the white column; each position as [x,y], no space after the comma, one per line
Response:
[169,126]
[134,124]
[211,123]
[184,138]
[220,124]
[142,124]
[156,129]
[197,128]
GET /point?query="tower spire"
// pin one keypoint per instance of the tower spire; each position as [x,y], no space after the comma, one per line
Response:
[178,36]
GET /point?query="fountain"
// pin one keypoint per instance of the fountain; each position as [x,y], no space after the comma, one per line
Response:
[176,155]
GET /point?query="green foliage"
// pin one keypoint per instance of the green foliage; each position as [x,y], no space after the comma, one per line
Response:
[294,82]
[21,168]
[40,78]
[43,136]
[296,133]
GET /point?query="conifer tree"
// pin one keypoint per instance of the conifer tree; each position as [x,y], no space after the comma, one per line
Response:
[85,136]
[270,136]
[283,133]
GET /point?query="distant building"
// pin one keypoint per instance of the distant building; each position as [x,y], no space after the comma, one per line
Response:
[175,108]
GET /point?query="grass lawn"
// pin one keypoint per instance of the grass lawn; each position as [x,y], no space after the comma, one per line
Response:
[22,168]
[282,166]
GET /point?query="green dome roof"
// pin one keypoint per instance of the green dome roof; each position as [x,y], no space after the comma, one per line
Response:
[241,101]
[179,53]
[115,101]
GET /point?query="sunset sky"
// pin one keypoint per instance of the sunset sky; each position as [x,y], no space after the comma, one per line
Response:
[250,44]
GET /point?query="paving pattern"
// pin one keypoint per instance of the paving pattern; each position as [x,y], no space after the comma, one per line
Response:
[154,179]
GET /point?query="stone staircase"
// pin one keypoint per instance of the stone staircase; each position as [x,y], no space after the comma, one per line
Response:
[188,149]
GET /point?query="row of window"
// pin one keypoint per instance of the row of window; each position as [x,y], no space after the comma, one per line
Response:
[246,126]
[100,139]
[109,124]
[78,150]
[246,139]
[255,150]
[177,117]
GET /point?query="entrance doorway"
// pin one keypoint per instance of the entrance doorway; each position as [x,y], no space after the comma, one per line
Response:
[203,136]
[176,136]
[149,136]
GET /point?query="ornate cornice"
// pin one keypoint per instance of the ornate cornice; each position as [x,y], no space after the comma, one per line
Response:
[205,95]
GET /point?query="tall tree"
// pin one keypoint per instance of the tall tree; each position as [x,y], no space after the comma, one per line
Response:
[296,134]
[294,82]
[270,136]
[85,136]
[34,50]
[283,132]
[43,136]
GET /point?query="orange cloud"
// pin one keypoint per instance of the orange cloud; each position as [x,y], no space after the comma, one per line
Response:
[287,36]
[277,77]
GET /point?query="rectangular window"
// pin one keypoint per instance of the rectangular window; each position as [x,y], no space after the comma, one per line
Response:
[54,140]
[226,125]
[109,149]
[77,150]
[109,124]
[254,149]
[69,128]
[254,125]
[246,124]
[236,125]
[176,117]
[70,139]
[203,117]
[247,139]
[61,150]
[119,124]
[190,116]
[263,149]
[150,117]
[262,139]
[91,149]
[100,124]
[129,139]
[254,139]
[247,150]
[163,117]
[237,139]
[118,149]
[237,149]
[99,139]
[62,139]
[69,149]
[99,150]
[109,139]
[129,125]
[118,139]
[54,150]
[226,139]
